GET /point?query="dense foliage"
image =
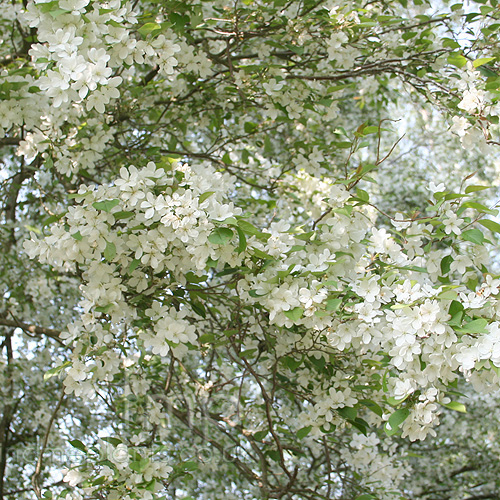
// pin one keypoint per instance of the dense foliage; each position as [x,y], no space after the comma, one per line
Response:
[248,249]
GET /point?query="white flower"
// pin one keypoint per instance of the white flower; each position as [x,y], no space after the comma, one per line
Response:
[433,188]
[468,356]
[120,456]
[473,100]
[73,5]
[72,477]
[273,86]
[452,223]
[460,125]
[472,300]
[155,207]
[490,287]
[334,43]
[460,263]
[368,288]
[78,371]
[99,98]
[403,388]
[64,41]
[399,222]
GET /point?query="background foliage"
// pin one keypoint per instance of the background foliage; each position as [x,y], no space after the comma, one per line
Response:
[248,249]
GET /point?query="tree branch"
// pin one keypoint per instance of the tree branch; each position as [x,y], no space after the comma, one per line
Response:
[32,329]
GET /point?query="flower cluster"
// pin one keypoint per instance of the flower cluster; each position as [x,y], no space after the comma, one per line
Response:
[141,235]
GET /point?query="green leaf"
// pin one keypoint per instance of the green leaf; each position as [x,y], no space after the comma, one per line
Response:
[305,236]
[482,60]
[207,338]
[362,194]
[456,406]
[457,60]
[365,24]
[248,228]
[479,207]
[106,205]
[190,465]
[366,496]
[302,433]
[333,304]
[112,440]
[148,28]
[474,236]
[250,127]
[110,251]
[47,7]
[57,12]
[454,196]
[260,435]
[77,196]
[348,412]
[123,214]
[373,130]
[342,144]
[487,72]
[78,236]
[446,264]
[475,188]
[262,255]
[103,309]
[495,368]
[450,43]
[360,424]
[248,353]
[133,266]
[491,225]
[285,272]
[396,402]
[292,363]
[54,371]
[395,420]
[456,319]
[230,220]
[371,405]
[180,21]
[204,196]
[194,278]
[52,219]
[273,454]
[220,236]
[474,326]
[294,314]
[139,465]
[455,307]
[78,445]
[448,295]
[268,147]
[242,245]
[336,88]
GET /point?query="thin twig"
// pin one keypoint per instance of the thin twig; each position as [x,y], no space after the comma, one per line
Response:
[39,464]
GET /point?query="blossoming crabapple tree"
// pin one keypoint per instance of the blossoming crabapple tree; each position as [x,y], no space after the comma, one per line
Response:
[248,249]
